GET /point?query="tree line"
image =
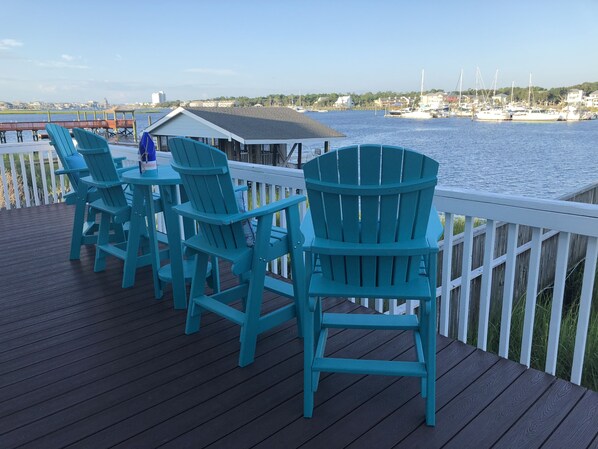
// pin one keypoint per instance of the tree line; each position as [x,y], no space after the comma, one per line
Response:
[541,95]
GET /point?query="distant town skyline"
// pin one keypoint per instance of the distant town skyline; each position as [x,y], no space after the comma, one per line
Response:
[197,50]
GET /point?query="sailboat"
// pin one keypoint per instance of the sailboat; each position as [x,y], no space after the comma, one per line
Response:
[418,113]
[534,114]
[491,114]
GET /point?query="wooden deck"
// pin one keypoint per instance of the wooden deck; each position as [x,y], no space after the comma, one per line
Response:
[84,363]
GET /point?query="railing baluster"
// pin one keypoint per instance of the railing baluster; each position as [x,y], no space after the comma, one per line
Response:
[465,279]
[530,297]
[33,178]
[507,300]
[4,184]
[585,309]
[560,275]
[52,175]
[15,180]
[486,287]
[25,180]
[43,173]
[447,258]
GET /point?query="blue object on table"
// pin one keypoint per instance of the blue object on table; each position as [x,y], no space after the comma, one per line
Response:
[371,232]
[147,153]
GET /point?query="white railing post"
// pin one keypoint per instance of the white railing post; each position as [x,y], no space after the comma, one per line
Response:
[486,287]
[465,279]
[447,259]
[530,297]
[560,275]
[507,299]
[585,307]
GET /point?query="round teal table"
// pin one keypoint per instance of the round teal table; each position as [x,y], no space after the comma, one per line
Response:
[178,270]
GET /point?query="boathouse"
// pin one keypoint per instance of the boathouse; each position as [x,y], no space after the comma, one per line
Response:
[269,136]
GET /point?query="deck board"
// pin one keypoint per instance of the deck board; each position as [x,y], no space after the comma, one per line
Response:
[85,363]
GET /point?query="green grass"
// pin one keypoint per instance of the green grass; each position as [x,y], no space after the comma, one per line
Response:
[542,326]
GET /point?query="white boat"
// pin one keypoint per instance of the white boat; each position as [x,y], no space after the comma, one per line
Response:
[492,115]
[536,115]
[417,114]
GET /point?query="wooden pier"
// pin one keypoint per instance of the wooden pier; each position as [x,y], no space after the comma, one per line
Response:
[124,127]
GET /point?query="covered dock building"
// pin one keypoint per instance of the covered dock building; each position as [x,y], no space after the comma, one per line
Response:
[260,135]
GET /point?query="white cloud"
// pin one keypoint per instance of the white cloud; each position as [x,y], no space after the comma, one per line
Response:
[9,44]
[207,71]
[67,57]
[60,65]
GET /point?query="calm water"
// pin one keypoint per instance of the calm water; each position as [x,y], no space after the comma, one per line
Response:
[534,159]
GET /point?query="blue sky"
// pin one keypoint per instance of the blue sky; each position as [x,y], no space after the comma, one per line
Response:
[125,50]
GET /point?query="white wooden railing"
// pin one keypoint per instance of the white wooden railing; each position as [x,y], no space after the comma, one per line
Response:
[546,219]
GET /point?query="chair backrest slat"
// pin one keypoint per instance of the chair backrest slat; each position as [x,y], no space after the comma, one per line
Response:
[101,167]
[61,140]
[206,177]
[383,195]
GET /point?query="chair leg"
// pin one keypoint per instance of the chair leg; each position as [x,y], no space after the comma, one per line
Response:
[214,278]
[249,329]
[197,289]
[103,238]
[308,358]
[77,234]
[431,363]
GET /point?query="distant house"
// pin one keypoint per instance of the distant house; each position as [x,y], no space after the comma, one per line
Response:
[344,102]
[592,100]
[434,100]
[500,99]
[213,104]
[267,136]
[574,96]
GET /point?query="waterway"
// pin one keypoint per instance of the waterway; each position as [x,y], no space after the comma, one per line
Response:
[544,160]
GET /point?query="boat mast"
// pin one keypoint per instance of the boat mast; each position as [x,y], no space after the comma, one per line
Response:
[529,92]
[460,87]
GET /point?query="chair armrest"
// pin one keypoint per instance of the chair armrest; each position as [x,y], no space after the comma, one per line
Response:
[66,171]
[101,184]
[274,207]
[435,228]
[118,161]
[121,170]
[240,188]
[187,211]
[307,229]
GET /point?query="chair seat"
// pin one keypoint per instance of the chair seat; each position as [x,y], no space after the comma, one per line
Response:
[418,288]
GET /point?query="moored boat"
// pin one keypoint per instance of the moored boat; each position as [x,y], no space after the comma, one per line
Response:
[536,115]
[492,115]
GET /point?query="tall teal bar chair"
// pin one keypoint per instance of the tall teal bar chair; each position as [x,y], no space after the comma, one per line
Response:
[228,232]
[371,232]
[113,204]
[85,227]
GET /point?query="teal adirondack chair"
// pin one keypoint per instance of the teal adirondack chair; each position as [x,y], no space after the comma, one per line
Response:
[113,204]
[73,165]
[85,226]
[371,232]
[226,232]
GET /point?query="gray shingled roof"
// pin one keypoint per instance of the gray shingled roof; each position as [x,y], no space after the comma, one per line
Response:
[266,123]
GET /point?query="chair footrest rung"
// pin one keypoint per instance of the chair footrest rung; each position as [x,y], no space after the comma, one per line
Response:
[380,367]
[205,302]
[373,321]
